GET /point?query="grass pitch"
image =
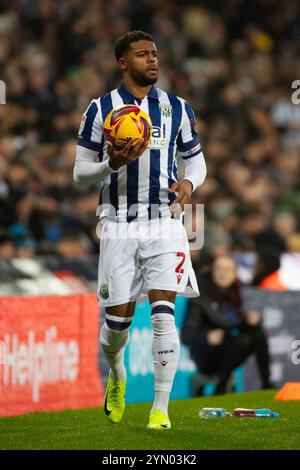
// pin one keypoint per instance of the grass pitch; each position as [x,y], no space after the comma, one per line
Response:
[89,429]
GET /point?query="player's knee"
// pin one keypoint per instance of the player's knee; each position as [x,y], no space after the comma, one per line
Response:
[114,333]
[163,325]
[163,320]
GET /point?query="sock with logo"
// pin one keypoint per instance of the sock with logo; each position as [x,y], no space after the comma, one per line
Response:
[165,351]
[114,336]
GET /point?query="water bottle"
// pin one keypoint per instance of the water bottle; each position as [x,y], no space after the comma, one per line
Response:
[244,413]
[213,413]
[255,413]
[266,413]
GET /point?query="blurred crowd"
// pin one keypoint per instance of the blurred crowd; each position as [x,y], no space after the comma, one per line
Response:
[234,61]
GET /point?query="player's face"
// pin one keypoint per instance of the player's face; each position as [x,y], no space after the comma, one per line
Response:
[141,63]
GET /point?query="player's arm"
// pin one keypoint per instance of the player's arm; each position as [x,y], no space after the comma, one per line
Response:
[87,169]
[190,152]
[195,170]
[92,145]
[90,148]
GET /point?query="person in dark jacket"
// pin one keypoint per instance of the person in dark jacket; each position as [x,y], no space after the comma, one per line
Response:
[221,335]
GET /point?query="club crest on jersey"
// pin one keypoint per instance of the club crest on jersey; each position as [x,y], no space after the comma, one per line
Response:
[165,110]
[104,292]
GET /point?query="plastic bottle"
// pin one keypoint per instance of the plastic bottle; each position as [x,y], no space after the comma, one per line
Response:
[255,413]
[244,413]
[266,413]
[213,413]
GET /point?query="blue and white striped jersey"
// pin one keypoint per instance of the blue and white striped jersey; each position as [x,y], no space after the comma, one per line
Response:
[143,183]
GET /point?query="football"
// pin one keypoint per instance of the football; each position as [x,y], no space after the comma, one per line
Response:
[127,122]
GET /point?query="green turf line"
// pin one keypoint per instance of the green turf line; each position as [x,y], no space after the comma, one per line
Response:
[89,429]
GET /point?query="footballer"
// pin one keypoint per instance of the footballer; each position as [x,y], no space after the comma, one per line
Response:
[140,190]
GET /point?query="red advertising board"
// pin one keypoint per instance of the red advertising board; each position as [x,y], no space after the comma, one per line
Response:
[49,354]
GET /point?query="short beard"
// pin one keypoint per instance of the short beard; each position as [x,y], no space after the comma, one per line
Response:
[141,80]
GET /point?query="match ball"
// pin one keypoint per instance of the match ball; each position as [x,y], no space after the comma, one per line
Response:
[127,122]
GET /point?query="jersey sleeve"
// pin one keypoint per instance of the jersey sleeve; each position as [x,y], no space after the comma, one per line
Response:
[90,133]
[188,143]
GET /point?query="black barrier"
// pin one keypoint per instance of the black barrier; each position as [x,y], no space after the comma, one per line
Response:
[281,320]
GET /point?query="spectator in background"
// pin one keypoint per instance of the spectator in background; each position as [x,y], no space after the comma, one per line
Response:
[73,246]
[7,247]
[221,335]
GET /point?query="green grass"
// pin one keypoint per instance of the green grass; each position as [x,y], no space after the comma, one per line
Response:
[88,428]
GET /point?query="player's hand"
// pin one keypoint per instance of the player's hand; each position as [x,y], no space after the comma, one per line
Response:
[126,155]
[184,188]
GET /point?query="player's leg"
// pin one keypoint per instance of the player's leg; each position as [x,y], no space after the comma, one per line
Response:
[113,339]
[166,266]
[114,336]
[165,350]
[120,282]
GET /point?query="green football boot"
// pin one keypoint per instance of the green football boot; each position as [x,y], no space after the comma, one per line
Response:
[114,400]
[158,421]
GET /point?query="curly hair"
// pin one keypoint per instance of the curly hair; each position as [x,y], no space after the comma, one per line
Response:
[123,43]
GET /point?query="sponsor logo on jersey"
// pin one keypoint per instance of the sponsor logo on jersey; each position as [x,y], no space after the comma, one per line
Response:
[158,138]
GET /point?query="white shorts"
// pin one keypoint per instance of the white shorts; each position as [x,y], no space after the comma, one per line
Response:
[139,256]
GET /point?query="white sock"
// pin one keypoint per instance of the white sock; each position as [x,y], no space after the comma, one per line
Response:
[114,336]
[161,402]
[165,351]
